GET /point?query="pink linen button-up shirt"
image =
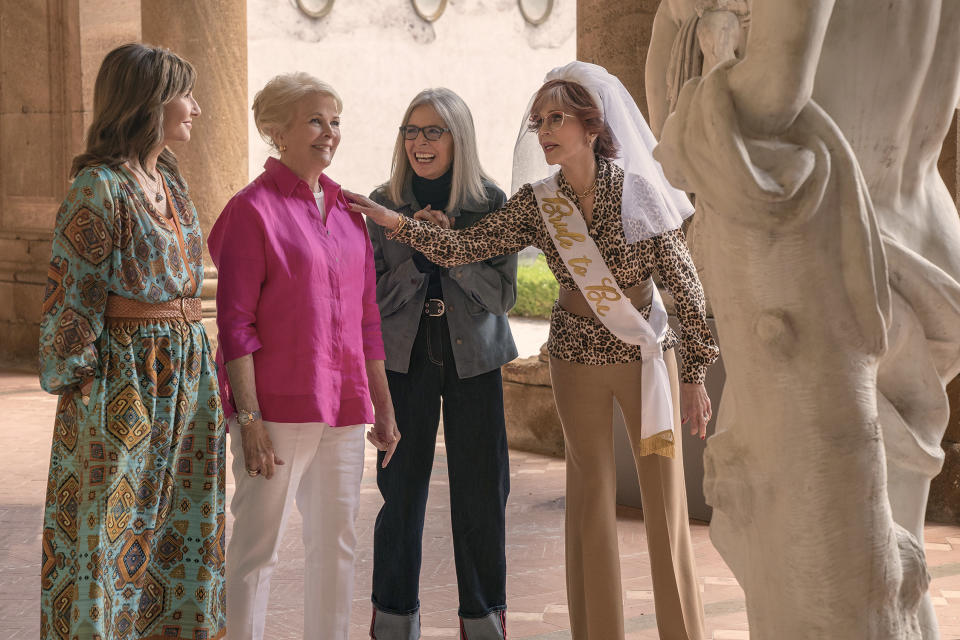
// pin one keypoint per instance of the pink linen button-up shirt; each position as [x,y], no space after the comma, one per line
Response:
[300,295]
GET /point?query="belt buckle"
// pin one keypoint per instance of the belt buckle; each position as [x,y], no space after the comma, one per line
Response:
[183,309]
[434,308]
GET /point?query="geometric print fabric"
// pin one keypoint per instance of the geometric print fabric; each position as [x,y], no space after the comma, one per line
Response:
[133,537]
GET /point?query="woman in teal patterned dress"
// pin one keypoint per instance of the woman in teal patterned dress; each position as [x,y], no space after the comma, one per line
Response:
[133,532]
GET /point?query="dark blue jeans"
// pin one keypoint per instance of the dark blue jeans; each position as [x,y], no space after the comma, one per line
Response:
[478,471]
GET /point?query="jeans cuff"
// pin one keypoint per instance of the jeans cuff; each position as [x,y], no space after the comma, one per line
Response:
[392,626]
[492,626]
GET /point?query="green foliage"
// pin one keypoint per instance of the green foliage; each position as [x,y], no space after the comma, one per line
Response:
[536,289]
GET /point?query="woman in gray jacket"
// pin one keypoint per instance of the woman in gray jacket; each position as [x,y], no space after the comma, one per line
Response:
[446,335]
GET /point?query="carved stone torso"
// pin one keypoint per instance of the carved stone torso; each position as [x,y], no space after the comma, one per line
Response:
[889,76]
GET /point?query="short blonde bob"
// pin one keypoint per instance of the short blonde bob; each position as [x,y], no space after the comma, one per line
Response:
[468,174]
[273,106]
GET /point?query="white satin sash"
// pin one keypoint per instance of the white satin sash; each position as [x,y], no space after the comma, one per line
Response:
[580,254]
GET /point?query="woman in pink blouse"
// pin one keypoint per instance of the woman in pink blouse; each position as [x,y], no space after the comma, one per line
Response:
[299,333]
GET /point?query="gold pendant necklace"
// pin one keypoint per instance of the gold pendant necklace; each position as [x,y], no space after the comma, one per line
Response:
[155,189]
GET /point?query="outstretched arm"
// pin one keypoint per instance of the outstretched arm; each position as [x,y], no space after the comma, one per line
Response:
[505,231]
[775,79]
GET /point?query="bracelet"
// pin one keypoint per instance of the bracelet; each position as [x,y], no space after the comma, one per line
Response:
[401,224]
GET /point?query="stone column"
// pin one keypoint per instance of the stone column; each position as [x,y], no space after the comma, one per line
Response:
[212,35]
[615,34]
[49,55]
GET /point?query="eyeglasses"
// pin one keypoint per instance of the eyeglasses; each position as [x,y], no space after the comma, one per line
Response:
[552,122]
[432,133]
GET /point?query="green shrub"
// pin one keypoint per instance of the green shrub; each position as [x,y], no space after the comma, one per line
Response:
[536,289]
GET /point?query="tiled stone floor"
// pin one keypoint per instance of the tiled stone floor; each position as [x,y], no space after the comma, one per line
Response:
[535,586]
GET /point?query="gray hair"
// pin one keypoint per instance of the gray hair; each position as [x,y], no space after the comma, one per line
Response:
[467,172]
[273,105]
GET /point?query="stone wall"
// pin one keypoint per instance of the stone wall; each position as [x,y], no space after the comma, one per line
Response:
[378,55]
[49,53]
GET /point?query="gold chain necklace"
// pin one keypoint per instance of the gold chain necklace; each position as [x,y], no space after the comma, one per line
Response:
[589,192]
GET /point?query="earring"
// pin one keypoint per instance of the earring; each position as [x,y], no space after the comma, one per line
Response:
[281,148]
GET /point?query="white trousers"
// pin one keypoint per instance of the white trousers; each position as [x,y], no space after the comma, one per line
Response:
[322,472]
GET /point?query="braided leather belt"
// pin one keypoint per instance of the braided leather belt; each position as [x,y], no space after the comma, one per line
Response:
[186,309]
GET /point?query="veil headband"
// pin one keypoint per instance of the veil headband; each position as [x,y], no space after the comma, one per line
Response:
[650,205]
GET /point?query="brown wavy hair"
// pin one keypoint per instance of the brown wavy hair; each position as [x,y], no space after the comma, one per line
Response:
[574,99]
[134,83]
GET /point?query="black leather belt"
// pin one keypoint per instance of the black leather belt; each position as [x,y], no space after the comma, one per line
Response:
[434,308]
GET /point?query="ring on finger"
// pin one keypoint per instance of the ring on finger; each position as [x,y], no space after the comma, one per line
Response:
[253,473]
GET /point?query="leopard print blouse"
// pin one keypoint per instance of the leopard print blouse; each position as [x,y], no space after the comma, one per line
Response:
[577,338]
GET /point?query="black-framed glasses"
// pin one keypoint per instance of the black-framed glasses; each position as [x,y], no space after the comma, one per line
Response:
[432,133]
[549,123]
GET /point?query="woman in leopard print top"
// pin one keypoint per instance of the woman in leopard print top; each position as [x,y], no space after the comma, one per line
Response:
[577,338]
[590,366]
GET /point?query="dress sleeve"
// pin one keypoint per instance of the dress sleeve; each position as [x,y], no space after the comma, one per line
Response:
[675,266]
[236,245]
[506,230]
[75,299]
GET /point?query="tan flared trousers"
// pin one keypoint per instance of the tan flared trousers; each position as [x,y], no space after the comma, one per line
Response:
[584,396]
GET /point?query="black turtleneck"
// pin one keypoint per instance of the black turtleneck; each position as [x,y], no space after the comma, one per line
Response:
[435,193]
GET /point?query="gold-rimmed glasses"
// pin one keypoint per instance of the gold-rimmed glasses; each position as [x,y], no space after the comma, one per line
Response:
[549,123]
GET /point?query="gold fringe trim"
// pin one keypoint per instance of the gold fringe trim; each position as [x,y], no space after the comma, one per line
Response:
[660,444]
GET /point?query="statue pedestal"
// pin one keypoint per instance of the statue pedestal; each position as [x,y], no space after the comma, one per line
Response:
[531,414]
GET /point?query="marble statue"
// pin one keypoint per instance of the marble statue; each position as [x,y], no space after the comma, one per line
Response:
[830,249]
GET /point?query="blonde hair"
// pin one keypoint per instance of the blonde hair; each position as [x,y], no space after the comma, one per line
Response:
[273,105]
[468,175]
[133,84]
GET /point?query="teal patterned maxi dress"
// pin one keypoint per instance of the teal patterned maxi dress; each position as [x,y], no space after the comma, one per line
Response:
[133,531]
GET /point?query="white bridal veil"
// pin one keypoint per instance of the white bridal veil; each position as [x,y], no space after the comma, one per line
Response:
[651,206]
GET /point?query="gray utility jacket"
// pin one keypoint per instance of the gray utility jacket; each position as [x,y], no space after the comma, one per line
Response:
[476,296]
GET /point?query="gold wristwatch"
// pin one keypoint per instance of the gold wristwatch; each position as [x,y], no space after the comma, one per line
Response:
[245,417]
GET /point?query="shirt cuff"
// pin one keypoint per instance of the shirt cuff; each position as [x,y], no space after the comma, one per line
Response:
[235,346]
[405,232]
[693,374]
